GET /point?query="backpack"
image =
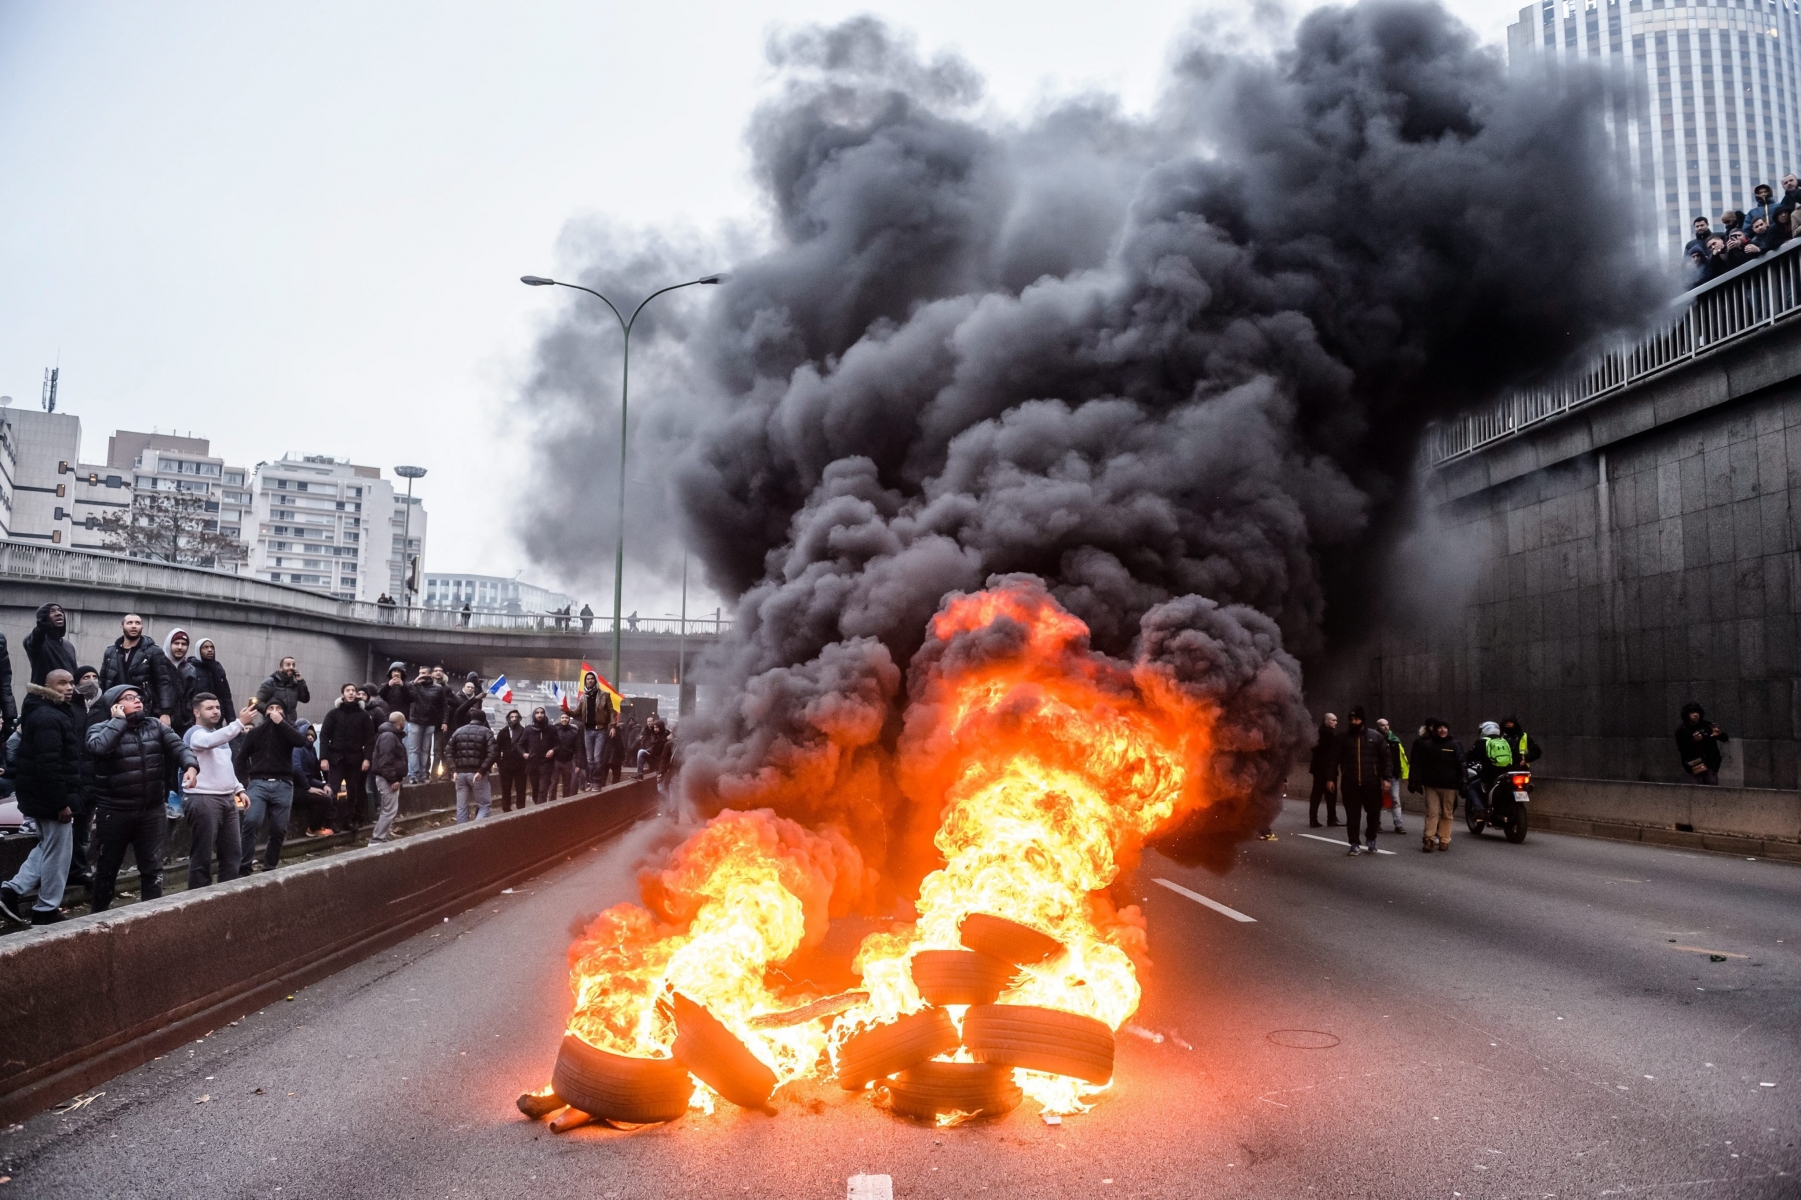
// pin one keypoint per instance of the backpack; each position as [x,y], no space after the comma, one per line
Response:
[1497,750]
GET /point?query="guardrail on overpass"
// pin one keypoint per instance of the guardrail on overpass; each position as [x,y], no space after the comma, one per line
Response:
[1746,301]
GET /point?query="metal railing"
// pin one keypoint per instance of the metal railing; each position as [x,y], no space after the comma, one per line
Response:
[1744,302]
[50,565]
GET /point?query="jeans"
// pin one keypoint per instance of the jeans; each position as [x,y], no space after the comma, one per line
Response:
[1320,783]
[566,777]
[271,800]
[1440,802]
[594,747]
[346,813]
[512,785]
[418,751]
[142,830]
[46,868]
[213,819]
[390,808]
[1393,788]
[471,784]
[542,773]
[1365,799]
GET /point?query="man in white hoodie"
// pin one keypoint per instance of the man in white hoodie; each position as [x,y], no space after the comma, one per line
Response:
[211,803]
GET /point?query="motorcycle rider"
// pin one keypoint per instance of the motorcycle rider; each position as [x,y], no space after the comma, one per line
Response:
[1491,755]
[1526,749]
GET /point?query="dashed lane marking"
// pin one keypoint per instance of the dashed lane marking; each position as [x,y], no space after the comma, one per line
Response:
[1705,950]
[1215,905]
[1335,842]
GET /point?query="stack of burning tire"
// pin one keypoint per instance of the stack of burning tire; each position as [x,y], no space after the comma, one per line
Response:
[999,1037]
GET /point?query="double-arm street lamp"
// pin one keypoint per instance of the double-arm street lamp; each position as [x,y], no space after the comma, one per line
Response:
[625,375]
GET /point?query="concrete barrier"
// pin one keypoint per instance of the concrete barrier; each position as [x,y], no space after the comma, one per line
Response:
[82,1001]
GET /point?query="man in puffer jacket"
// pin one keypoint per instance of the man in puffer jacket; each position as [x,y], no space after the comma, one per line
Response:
[424,713]
[387,766]
[47,646]
[471,753]
[47,773]
[209,673]
[133,756]
[1364,764]
[287,685]
[135,660]
[1437,762]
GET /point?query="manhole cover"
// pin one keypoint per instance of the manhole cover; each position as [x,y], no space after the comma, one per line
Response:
[1303,1039]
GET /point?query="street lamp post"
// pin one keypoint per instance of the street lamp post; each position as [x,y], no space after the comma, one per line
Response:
[625,375]
[406,535]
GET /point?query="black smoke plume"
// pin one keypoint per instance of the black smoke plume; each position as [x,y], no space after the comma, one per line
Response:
[1173,366]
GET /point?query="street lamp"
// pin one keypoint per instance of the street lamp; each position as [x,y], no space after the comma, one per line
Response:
[406,535]
[625,375]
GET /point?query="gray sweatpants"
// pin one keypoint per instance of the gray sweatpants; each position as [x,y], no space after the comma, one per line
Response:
[46,868]
[390,808]
[470,784]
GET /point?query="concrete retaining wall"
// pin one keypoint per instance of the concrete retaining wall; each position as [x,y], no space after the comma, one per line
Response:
[85,1000]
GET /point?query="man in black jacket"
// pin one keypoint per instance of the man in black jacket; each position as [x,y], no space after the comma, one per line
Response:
[509,747]
[47,646]
[268,765]
[135,660]
[1437,773]
[570,759]
[539,743]
[181,678]
[47,774]
[89,711]
[471,753]
[209,673]
[9,711]
[345,740]
[1364,762]
[287,685]
[1698,742]
[468,703]
[133,756]
[423,716]
[395,693]
[1526,748]
[1324,769]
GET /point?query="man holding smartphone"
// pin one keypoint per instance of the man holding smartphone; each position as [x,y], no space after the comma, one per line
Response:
[213,802]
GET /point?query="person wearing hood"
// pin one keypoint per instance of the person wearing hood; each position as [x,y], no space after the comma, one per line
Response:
[1437,762]
[1365,763]
[47,774]
[132,755]
[47,646]
[211,804]
[1526,748]
[1698,743]
[1324,769]
[209,673]
[395,693]
[182,678]
[312,799]
[137,661]
[89,712]
[539,744]
[345,741]
[287,685]
[509,748]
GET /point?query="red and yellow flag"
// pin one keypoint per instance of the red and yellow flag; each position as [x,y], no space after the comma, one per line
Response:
[601,682]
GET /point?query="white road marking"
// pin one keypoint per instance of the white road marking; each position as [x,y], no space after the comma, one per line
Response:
[1215,905]
[870,1187]
[1335,842]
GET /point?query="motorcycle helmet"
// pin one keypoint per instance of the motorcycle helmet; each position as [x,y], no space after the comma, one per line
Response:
[1490,729]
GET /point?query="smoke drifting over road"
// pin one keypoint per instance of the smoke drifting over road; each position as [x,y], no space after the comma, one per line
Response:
[1162,364]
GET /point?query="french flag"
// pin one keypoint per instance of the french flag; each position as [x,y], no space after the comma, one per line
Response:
[557,696]
[499,690]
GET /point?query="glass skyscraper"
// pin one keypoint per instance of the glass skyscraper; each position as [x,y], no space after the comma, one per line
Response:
[1711,107]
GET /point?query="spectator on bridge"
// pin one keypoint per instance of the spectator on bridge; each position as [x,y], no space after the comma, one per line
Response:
[1364,763]
[424,713]
[1698,742]
[46,772]
[286,685]
[139,662]
[209,673]
[1526,749]
[345,740]
[89,712]
[47,647]
[471,753]
[211,806]
[1730,220]
[1392,788]
[539,744]
[510,747]
[387,763]
[1764,236]
[1740,249]
[385,606]
[587,618]
[132,755]
[570,758]
[1765,208]
[312,798]
[395,693]
[1324,769]
[466,613]
[269,766]
[1437,774]
[182,679]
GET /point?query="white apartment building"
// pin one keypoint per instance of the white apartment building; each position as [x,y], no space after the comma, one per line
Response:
[165,462]
[1711,105]
[490,593]
[318,525]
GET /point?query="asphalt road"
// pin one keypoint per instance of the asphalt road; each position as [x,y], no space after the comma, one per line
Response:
[1499,1021]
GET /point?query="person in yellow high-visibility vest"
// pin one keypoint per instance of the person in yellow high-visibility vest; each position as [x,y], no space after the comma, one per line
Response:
[1393,786]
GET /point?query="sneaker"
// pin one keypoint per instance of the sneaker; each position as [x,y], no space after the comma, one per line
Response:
[1400,828]
[12,903]
[323,832]
[1314,825]
[46,916]
[1354,851]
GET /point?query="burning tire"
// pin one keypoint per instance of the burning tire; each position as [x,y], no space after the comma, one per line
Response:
[1040,1039]
[641,1091]
[867,1056]
[932,1088]
[959,976]
[1007,940]
[718,1059]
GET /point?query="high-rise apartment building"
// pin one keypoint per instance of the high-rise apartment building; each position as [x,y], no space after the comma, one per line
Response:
[319,524]
[165,462]
[38,453]
[490,593]
[1708,104]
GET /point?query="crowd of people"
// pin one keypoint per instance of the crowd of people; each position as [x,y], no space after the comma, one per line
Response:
[101,759]
[1744,234]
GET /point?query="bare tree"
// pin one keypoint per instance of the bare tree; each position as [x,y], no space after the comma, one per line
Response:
[171,527]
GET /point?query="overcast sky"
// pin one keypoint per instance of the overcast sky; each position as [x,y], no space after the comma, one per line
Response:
[300,226]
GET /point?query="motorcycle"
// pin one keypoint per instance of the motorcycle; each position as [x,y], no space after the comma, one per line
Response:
[1505,804]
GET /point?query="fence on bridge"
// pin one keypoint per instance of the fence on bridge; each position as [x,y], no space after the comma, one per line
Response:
[53,565]
[1744,302]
